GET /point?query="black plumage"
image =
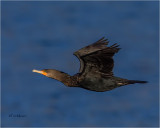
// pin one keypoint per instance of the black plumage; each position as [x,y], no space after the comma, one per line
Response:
[96,65]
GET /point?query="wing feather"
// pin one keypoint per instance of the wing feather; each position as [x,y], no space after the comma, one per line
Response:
[97,58]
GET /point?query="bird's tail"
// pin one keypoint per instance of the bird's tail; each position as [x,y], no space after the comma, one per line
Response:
[136,81]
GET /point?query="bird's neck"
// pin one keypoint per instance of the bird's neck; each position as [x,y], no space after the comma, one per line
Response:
[64,78]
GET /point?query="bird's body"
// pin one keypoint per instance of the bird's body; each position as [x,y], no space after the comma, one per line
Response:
[96,64]
[99,84]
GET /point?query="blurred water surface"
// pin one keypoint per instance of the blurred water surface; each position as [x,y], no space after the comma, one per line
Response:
[38,35]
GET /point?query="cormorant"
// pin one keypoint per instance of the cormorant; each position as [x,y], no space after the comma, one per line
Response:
[96,64]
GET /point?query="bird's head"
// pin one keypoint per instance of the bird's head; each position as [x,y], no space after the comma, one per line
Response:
[52,73]
[46,72]
[55,74]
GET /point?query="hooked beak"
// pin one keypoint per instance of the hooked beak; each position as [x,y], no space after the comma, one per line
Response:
[41,72]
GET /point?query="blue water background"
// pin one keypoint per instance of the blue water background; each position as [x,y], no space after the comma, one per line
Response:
[40,35]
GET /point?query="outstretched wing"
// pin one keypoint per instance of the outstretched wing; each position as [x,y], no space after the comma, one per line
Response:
[97,58]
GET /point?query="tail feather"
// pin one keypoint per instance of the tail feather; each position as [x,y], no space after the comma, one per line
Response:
[136,81]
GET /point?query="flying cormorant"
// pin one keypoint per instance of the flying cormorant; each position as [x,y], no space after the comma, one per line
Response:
[96,64]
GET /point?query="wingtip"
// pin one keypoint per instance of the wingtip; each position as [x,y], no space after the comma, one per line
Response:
[102,41]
